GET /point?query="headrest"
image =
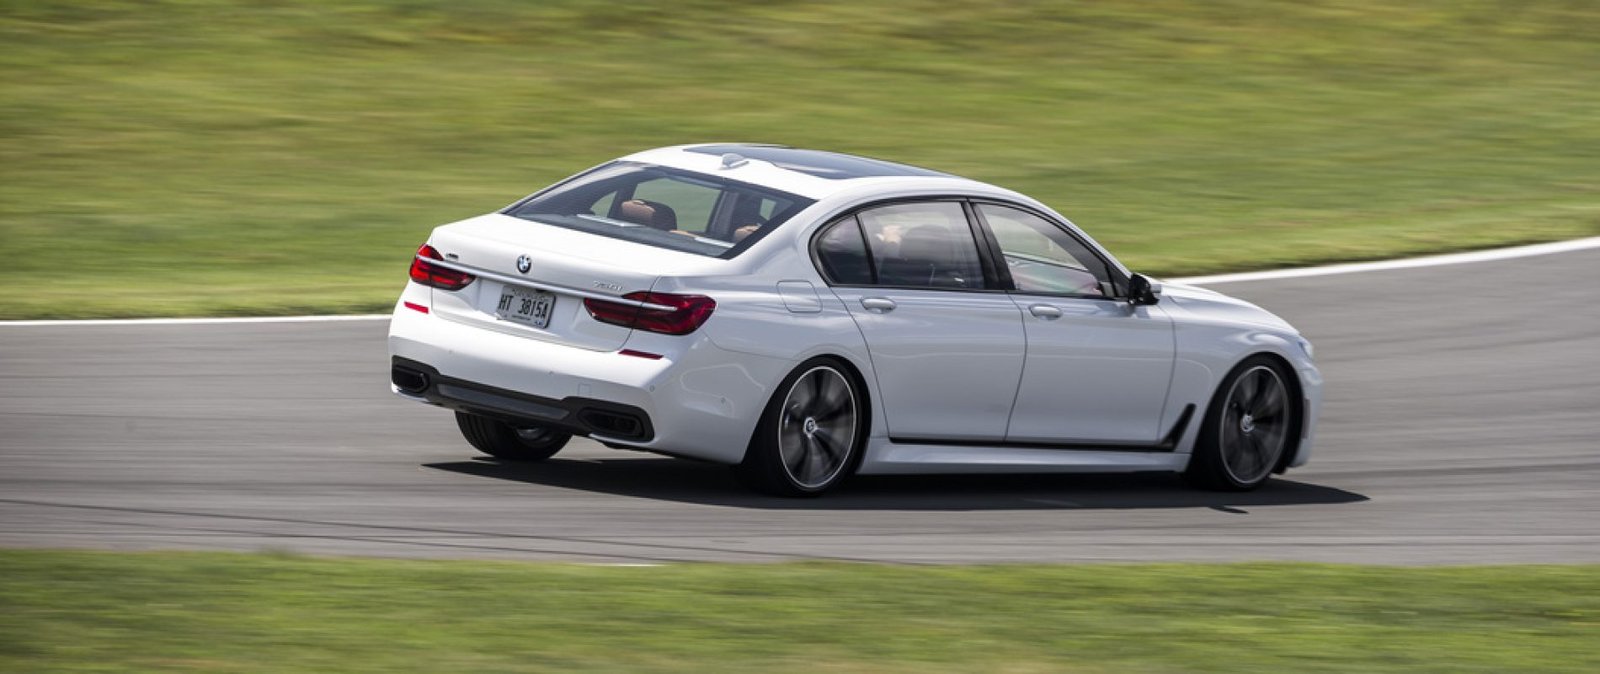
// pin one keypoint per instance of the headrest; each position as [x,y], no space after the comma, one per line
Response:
[928,243]
[656,215]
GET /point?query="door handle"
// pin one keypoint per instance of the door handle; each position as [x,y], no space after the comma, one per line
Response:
[1045,311]
[881,305]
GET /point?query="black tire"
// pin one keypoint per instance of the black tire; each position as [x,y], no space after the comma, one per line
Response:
[811,434]
[504,441]
[1252,422]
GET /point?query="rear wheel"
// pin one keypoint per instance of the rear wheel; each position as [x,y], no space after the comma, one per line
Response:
[512,443]
[810,436]
[1248,429]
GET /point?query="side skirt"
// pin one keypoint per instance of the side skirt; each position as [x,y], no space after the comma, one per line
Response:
[891,456]
[1167,444]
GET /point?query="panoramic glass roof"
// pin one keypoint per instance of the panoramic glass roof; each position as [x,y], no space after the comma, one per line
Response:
[830,165]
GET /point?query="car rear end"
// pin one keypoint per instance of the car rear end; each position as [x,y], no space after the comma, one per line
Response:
[496,321]
[537,324]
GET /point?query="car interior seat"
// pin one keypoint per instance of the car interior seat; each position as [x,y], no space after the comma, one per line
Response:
[653,214]
[927,257]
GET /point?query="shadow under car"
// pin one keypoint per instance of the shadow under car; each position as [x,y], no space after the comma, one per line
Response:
[706,484]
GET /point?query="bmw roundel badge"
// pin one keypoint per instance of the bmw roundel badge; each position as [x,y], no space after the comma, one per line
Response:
[524,263]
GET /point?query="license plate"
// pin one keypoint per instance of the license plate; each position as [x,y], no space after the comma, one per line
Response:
[523,305]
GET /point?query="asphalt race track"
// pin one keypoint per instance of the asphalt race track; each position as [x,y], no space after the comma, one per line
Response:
[1462,425]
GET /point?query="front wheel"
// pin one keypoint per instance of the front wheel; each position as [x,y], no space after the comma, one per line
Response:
[1247,430]
[810,435]
[504,441]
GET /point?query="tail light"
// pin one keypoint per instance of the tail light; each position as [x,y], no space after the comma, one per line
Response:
[687,314]
[436,276]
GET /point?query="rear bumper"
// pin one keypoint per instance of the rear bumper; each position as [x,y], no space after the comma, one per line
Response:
[579,416]
[697,401]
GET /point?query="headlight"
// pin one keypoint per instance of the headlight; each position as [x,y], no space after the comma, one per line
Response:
[1306,347]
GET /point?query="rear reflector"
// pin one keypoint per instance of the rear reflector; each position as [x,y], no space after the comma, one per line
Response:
[416,307]
[687,314]
[640,354]
[435,276]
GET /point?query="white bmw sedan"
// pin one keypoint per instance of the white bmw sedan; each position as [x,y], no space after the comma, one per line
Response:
[805,315]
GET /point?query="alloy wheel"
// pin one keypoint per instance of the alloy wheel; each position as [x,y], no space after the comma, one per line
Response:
[817,427]
[1255,424]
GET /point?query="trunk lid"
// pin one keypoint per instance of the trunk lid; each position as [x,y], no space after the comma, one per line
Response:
[564,267]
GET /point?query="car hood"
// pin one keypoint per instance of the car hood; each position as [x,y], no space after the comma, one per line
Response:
[1214,306]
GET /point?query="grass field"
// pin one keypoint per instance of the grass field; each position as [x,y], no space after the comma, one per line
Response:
[108,612]
[233,157]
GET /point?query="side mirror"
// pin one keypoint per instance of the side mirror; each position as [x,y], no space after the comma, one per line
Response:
[1142,291]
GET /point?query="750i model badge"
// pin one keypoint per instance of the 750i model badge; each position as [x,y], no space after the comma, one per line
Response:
[524,263]
[613,287]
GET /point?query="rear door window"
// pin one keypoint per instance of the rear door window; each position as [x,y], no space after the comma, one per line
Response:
[842,254]
[922,245]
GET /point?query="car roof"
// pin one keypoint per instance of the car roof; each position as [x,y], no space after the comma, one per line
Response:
[814,174]
[818,163]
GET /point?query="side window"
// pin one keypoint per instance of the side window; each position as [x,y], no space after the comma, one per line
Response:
[683,205]
[843,254]
[1043,258]
[925,245]
[602,206]
[743,214]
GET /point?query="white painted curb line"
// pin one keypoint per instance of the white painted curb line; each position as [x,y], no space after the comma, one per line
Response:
[1406,263]
[1303,272]
[202,321]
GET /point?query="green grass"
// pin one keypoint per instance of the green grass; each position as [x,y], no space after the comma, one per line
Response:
[109,612]
[233,157]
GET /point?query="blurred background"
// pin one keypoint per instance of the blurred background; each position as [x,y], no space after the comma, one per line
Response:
[232,157]
[261,157]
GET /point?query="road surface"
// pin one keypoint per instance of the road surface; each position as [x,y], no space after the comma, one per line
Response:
[1462,425]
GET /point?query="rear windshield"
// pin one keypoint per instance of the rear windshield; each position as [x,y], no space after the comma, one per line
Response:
[663,207]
